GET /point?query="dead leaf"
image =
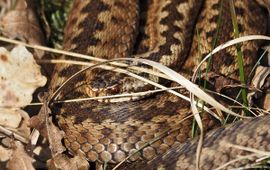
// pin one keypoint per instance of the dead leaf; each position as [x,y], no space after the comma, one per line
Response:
[260,81]
[48,130]
[5,154]
[62,162]
[20,160]
[266,102]
[39,122]
[266,59]
[265,3]
[20,76]
[10,117]
[24,129]
[260,76]
[22,23]
[266,90]
[55,136]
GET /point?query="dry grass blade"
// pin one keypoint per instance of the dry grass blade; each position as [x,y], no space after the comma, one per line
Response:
[198,119]
[233,100]
[254,153]
[80,56]
[13,134]
[235,160]
[180,80]
[217,49]
[259,152]
[191,87]
[228,44]
[111,96]
[119,95]
[263,158]
[54,95]
[106,67]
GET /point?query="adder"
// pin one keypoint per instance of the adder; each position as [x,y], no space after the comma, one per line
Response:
[176,33]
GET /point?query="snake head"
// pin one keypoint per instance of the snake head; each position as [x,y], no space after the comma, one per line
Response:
[108,83]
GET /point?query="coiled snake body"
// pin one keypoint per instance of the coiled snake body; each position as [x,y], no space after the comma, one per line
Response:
[159,30]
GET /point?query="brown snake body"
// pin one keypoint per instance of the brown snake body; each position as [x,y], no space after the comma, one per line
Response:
[219,148]
[109,132]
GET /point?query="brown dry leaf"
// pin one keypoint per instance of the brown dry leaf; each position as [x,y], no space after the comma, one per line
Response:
[265,3]
[266,60]
[44,124]
[5,154]
[260,80]
[24,129]
[260,76]
[55,136]
[266,91]
[10,117]
[20,160]
[22,23]
[266,102]
[39,122]
[6,5]
[20,76]
[15,120]
[62,162]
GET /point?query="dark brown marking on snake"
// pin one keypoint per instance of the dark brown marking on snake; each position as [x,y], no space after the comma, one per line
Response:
[254,23]
[89,25]
[240,28]
[95,7]
[239,11]
[226,26]
[214,19]
[169,34]
[66,72]
[216,6]
[99,26]
[118,20]
[121,112]
[138,47]
[227,58]
[106,131]
[120,4]
[212,34]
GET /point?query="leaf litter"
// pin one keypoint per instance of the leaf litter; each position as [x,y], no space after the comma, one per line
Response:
[20,77]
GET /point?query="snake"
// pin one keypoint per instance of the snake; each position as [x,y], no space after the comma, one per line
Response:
[155,128]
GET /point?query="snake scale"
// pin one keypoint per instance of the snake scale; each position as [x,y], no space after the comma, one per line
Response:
[162,31]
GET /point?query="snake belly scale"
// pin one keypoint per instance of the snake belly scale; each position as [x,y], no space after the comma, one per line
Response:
[159,30]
